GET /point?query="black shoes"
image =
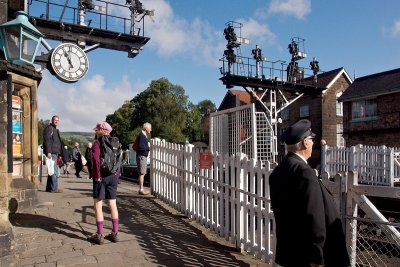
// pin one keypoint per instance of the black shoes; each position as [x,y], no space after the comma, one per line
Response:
[113,237]
[96,239]
[99,239]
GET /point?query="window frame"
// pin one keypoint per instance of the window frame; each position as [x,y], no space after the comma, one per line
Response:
[304,113]
[367,110]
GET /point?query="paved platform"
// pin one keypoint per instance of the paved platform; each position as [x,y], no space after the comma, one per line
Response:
[151,233]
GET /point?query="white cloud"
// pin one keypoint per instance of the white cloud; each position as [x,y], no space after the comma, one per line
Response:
[298,8]
[258,33]
[172,35]
[396,28]
[81,105]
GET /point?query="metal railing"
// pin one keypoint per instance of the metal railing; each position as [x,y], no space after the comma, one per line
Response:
[376,165]
[104,18]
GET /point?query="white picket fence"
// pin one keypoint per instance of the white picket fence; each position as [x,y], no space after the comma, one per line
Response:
[376,165]
[231,198]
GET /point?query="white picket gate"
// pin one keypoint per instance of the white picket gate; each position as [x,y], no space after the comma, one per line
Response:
[231,199]
[376,165]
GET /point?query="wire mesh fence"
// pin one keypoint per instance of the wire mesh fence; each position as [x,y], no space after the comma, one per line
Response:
[377,243]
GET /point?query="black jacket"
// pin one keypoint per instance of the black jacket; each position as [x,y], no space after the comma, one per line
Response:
[89,154]
[308,225]
[51,140]
[66,154]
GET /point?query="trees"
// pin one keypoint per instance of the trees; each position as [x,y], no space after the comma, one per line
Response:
[193,123]
[121,121]
[41,125]
[164,105]
[172,116]
[205,107]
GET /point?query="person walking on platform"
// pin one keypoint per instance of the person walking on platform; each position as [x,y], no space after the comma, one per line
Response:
[104,187]
[77,157]
[52,147]
[309,230]
[66,155]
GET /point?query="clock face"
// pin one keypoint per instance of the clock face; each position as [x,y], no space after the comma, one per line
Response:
[69,62]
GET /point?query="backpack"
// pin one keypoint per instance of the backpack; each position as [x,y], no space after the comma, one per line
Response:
[110,154]
[135,146]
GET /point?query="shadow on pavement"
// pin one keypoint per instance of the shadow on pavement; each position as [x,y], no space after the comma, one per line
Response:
[169,239]
[43,222]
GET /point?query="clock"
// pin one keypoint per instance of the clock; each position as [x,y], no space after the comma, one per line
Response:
[69,62]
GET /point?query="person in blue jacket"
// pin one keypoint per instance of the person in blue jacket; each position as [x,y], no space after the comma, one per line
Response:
[141,156]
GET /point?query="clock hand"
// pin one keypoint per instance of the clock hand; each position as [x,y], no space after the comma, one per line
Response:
[68,56]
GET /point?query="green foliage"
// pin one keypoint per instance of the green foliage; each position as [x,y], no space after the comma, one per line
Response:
[205,107]
[67,138]
[121,122]
[193,122]
[172,116]
[70,138]
[41,125]
[164,105]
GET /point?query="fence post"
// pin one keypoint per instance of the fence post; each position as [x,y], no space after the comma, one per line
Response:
[352,159]
[391,167]
[240,158]
[324,149]
[189,181]
[351,214]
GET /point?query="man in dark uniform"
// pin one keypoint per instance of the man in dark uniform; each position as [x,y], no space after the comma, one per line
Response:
[309,230]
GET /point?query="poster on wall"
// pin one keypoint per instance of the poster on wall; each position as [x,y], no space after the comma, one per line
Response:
[17,144]
[17,168]
[16,121]
[16,102]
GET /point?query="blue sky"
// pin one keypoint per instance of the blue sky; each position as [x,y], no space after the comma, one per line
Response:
[187,41]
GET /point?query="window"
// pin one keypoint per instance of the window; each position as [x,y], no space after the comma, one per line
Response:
[364,109]
[304,111]
[339,105]
[340,142]
[285,114]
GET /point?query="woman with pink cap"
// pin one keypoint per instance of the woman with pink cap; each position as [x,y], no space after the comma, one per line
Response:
[104,187]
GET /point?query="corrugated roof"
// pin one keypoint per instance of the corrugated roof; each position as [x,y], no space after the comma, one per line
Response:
[373,85]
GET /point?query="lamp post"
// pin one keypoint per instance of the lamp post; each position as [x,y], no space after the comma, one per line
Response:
[20,40]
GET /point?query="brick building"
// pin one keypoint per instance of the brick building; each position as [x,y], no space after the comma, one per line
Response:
[371,110]
[324,111]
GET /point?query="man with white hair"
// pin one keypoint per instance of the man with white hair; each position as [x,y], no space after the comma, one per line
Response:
[141,156]
[309,230]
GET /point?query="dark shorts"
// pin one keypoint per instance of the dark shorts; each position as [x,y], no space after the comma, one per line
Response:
[141,162]
[106,189]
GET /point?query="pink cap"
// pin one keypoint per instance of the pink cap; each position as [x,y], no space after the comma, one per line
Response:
[103,126]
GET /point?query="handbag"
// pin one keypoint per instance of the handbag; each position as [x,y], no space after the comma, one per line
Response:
[50,166]
[84,161]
